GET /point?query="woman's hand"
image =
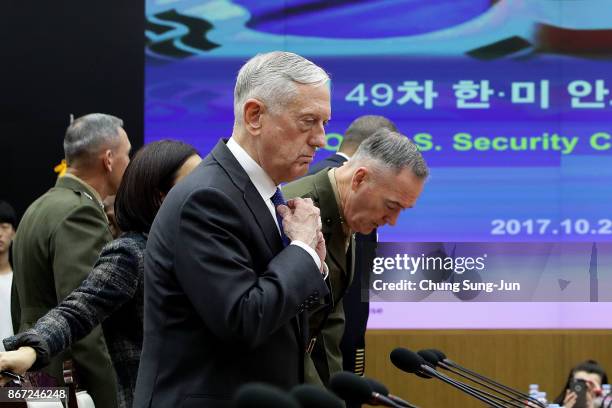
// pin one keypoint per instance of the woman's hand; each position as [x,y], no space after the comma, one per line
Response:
[571,396]
[570,399]
[18,361]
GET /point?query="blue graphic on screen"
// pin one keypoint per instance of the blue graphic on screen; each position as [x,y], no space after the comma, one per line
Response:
[509,101]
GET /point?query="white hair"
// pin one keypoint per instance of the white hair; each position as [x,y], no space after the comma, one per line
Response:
[88,134]
[391,150]
[272,78]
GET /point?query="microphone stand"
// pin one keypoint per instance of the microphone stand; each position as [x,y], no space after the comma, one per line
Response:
[521,402]
[493,382]
[468,390]
[385,400]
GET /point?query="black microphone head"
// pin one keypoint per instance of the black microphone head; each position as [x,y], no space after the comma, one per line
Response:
[408,361]
[350,387]
[441,355]
[311,396]
[376,386]
[429,356]
[258,395]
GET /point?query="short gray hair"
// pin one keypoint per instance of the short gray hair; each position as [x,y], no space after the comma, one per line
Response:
[362,128]
[272,77]
[88,134]
[391,150]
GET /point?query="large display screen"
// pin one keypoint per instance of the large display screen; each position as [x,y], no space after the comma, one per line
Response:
[509,101]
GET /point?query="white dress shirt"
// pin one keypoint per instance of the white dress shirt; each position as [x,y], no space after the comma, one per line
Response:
[6,323]
[265,187]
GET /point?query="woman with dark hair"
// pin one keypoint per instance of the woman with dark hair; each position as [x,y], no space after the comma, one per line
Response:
[593,375]
[112,294]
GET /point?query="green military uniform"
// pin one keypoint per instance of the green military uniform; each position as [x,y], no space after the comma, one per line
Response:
[56,246]
[327,324]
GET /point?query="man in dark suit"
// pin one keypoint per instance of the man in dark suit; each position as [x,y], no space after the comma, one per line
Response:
[358,131]
[355,301]
[385,176]
[229,269]
[60,237]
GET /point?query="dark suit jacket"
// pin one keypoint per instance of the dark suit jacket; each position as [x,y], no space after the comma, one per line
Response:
[327,323]
[221,293]
[56,246]
[335,160]
[355,302]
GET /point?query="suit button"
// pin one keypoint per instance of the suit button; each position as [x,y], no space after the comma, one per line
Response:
[328,221]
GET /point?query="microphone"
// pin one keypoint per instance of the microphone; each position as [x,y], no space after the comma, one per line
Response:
[432,359]
[449,363]
[16,378]
[355,390]
[411,362]
[311,396]
[257,395]
[381,389]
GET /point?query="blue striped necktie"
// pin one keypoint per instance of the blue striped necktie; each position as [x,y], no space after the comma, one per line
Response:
[278,199]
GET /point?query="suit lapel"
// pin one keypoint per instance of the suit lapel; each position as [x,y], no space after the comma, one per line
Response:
[252,198]
[263,218]
[260,212]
